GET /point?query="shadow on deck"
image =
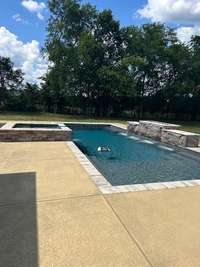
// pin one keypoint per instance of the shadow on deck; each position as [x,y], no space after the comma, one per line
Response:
[18,220]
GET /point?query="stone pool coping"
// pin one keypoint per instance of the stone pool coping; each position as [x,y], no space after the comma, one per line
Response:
[106,188]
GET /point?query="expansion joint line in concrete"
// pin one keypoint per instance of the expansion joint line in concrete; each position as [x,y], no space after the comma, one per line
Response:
[130,235]
[33,203]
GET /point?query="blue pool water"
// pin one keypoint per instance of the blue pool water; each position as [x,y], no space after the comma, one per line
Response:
[134,160]
[33,126]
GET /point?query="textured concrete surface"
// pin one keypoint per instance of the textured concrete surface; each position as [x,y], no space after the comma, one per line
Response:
[70,232]
[19,235]
[84,232]
[57,171]
[166,224]
[17,188]
[53,215]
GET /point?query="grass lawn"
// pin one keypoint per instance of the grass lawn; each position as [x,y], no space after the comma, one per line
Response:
[18,116]
[192,126]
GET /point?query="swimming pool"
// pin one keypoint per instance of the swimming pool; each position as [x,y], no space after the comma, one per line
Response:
[133,159]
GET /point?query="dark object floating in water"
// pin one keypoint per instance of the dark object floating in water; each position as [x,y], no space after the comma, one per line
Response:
[112,158]
[103,149]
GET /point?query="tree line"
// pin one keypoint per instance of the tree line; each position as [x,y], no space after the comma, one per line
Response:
[99,68]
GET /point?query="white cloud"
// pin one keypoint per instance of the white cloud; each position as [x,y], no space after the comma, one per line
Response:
[185,33]
[175,11]
[179,11]
[34,7]
[18,18]
[25,56]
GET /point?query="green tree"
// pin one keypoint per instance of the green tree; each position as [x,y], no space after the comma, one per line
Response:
[195,65]
[146,50]
[97,61]
[10,80]
[31,97]
[67,22]
[80,42]
[177,80]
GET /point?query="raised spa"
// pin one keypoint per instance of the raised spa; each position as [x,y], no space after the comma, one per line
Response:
[29,132]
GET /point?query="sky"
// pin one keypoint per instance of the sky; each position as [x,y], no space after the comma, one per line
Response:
[23,25]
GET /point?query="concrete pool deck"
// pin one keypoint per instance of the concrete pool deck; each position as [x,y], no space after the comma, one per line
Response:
[52,214]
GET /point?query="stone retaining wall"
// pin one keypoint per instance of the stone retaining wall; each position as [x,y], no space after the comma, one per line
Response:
[180,138]
[164,132]
[152,129]
[26,135]
[133,127]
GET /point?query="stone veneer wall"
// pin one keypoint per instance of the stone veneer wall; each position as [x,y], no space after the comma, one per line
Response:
[10,134]
[35,135]
[152,129]
[164,132]
[180,138]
